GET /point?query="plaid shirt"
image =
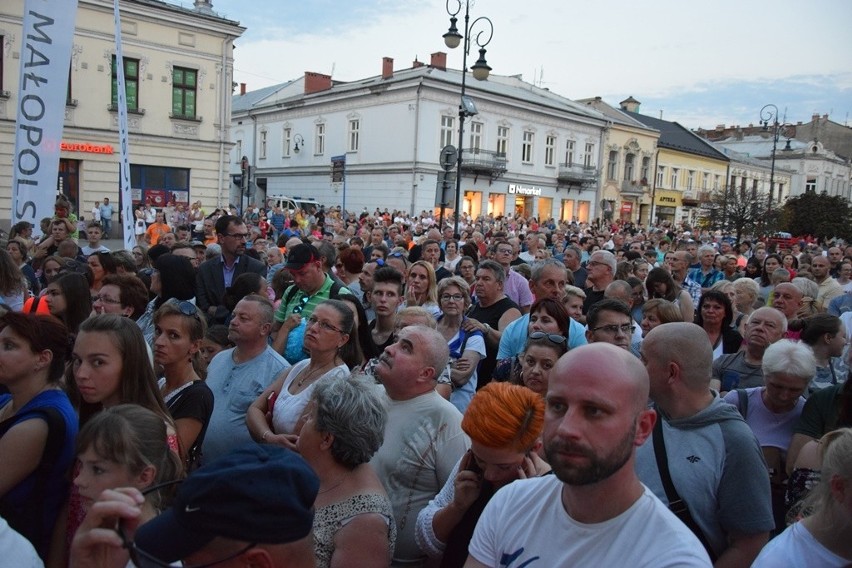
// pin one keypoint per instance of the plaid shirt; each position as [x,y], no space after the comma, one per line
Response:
[694,289]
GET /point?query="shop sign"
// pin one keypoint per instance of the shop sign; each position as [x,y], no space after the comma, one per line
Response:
[626,207]
[518,189]
[86,147]
[669,198]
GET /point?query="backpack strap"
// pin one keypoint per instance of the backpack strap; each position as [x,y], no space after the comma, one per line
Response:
[676,504]
[742,400]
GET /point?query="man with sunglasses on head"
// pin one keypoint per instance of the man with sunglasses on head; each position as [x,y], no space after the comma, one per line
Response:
[217,274]
[311,285]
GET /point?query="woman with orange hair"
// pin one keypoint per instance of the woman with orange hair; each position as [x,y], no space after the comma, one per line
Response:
[504,423]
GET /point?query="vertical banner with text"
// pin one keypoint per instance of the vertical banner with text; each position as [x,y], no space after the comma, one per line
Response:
[125,198]
[47,39]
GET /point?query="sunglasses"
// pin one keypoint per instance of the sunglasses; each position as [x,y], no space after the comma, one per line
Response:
[143,559]
[552,337]
[185,307]
[302,303]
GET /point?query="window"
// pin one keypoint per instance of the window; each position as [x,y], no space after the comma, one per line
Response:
[475,136]
[239,149]
[811,185]
[612,165]
[588,157]
[690,180]
[628,167]
[661,174]
[716,181]
[354,135]
[184,83]
[286,141]
[154,181]
[705,181]
[319,144]
[448,126]
[502,140]
[68,99]
[527,147]
[549,150]
[646,169]
[1,63]
[569,153]
[675,172]
[262,145]
[131,83]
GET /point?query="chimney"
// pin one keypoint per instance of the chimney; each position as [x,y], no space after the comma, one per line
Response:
[316,82]
[439,60]
[242,89]
[387,67]
[825,117]
[415,64]
[630,104]
[204,7]
[815,117]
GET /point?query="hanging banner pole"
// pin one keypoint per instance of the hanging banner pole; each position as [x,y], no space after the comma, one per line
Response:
[125,198]
[47,38]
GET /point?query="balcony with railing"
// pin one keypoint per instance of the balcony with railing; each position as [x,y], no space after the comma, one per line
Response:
[577,174]
[483,162]
[691,197]
[634,188]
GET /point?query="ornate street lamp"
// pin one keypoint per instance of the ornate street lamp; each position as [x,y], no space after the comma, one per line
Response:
[769,118]
[480,70]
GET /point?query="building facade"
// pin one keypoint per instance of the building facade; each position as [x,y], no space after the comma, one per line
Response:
[686,165]
[526,151]
[178,65]
[629,154]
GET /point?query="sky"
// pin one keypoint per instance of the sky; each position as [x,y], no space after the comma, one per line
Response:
[698,63]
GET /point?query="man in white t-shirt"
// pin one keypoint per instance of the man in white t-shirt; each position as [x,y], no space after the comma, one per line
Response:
[594,511]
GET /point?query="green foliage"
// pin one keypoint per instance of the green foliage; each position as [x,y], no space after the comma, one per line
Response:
[819,214]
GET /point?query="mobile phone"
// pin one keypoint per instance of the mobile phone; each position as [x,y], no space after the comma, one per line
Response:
[472,464]
[270,402]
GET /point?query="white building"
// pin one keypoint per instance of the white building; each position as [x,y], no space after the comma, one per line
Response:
[179,70]
[810,166]
[527,151]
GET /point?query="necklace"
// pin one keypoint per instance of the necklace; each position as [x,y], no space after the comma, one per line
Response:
[336,485]
[312,374]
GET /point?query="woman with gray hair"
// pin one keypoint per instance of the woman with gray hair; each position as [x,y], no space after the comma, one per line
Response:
[466,347]
[772,411]
[353,524]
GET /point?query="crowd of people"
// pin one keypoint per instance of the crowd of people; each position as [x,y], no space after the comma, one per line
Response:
[319,388]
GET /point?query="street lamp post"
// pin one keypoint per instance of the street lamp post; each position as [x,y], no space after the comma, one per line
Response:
[480,70]
[769,117]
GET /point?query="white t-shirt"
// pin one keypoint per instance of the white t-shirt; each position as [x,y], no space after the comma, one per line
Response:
[289,407]
[796,547]
[525,524]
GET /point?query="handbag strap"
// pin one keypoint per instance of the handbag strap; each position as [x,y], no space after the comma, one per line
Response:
[676,504]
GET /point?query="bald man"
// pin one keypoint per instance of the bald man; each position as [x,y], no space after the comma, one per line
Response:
[743,369]
[594,511]
[714,462]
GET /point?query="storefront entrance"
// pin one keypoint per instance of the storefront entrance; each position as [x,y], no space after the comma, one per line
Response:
[68,183]
[496,204]
[472,203]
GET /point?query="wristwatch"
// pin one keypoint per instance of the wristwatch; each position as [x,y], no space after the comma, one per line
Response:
[487,329]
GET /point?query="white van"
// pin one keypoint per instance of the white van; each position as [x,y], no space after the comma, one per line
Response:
[291,203]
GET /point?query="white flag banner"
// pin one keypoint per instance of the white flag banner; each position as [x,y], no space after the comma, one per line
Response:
[48,36]
[125,199]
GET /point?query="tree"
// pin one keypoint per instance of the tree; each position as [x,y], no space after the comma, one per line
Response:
[818,214]
[737,211]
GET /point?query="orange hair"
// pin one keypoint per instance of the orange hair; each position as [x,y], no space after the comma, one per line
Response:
[503,415]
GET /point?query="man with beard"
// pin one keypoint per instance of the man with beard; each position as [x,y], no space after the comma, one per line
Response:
[703,460]
[594,511]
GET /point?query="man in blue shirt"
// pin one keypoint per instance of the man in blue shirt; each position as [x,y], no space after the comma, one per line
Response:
[106,216]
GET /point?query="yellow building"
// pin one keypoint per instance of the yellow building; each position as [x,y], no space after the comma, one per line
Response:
[627,166]
[179,70]
[686,166]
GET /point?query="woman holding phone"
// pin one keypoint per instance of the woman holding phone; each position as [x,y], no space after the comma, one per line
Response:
[504,422]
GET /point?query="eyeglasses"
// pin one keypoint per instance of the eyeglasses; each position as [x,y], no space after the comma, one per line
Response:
[595,263]
[612,329]
[324,325]
[552,337]
[238,236]
[302,303]
[452,297]
[104,299]
[142,559]
[504,251]
[186,308]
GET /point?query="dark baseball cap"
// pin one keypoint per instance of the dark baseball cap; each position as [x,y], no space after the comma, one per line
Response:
[300,255]
[257,493]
